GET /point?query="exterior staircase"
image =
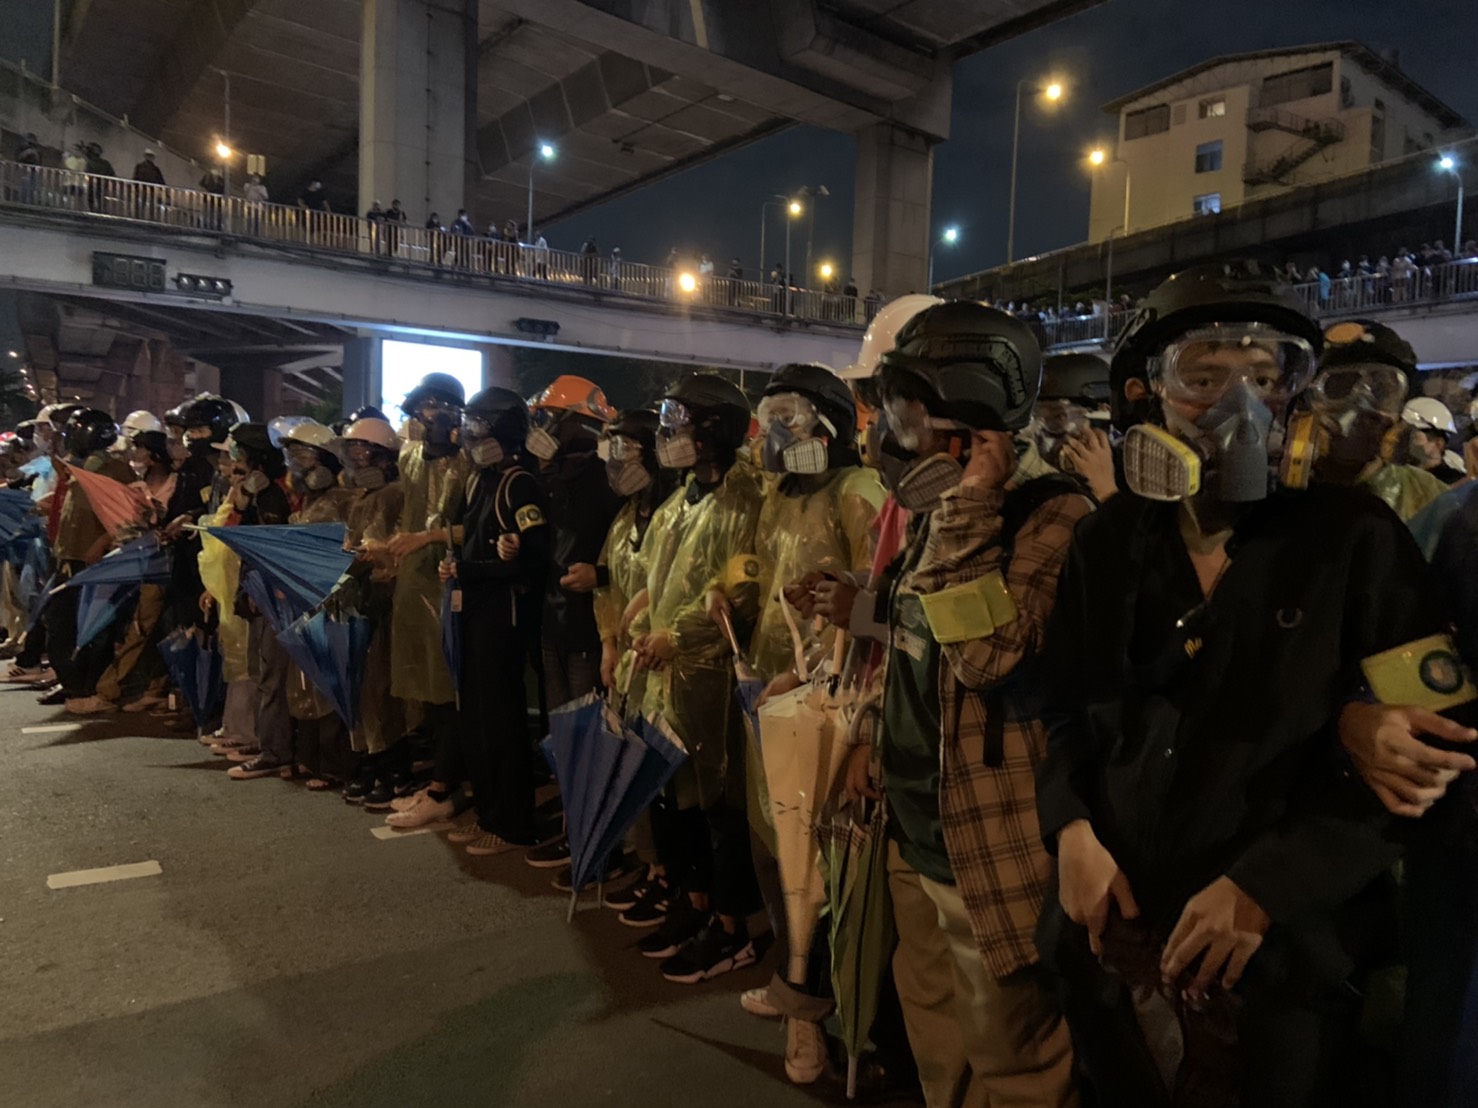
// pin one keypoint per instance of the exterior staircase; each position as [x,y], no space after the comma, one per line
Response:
[1315,135]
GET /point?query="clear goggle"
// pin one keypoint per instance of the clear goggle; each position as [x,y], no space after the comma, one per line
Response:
[792,411]
[1201,366]
[301,455]
[1060,418]
[475,427]
[912,426]
[1374,385]
[358,451]
[619,448]
[674,416]
[428,411]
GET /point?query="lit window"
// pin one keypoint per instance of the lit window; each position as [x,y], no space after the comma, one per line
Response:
[1209,204]
[1213,109]
[1208,157]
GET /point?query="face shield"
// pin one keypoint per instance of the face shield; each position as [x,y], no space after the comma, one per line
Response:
[1222,388]
[677,444]
[790,424]
[477,437]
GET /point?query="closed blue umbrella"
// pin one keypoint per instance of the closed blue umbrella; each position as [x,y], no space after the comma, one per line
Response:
[331,654]
[37,603]
[194,662]
[299,563]
[17,513]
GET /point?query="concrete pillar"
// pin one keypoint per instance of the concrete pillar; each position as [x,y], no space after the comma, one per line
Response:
[890,215]
[499,367]
[257,390]
[418,105]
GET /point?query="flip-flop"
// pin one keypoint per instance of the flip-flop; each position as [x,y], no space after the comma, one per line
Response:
[321,784]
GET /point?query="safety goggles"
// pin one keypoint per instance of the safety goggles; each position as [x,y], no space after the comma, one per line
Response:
[429,411]
[301,455]
[674,417]
[474,427]
[619,448]
[1202,366]
[1060,418]
[1375,385]
[358,451]
[792,411]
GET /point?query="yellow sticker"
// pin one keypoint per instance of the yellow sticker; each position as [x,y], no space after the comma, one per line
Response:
[1426,673]
[528,516]
[742,568]
[973,610]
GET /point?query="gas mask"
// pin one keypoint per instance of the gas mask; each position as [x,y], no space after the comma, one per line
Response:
[541,444]
[1053,423]
[677,446]
[442,422]
[200,446]
[317,479]
[625,470]
[486,453]
[1353,420]
[369,478]
[1236,376]
[791,443]
[256,482]
[933,452]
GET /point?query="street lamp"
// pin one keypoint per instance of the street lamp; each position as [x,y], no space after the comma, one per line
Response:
[1052,91]
[793,209]
[546,152]
[948,237]
[687,283]
[1098,158]
[223,152]
[826,269]
[1450,164]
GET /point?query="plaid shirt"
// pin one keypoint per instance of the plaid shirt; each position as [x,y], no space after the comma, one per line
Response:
[989,815]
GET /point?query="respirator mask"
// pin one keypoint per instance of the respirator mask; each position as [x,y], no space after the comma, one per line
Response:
[625,470]
[1353,419]
[789,422]
[677,446]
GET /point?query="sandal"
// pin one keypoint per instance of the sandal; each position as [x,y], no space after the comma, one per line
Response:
[322,784]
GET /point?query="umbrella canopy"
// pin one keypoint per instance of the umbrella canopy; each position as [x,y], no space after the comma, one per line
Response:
[99,606]
[194,662]
[37,603]
[299,563]
[854,860]
[451,631]
[140,562]
[331,654]
[117,506]
[17,514]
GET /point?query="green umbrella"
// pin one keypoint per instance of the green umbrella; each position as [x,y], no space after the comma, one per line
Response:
[854,861]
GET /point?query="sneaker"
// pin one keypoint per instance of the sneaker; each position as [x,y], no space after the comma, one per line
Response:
[618,867]
[25,673]
[258,767]
[682,923]
[708,954]
[757,1003]
[419,815]
[90,706]
[144,703]
[466,831]
[406,803]
[379,798]
[651,908]
[625,898]
[550,855]
[241,754]
[54,698]
[356,790]
[805,1051]
[487,844]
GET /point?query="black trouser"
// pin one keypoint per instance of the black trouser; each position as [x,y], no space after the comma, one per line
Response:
[494,720]
[322,745]
[681,839]
[35,647]
[736,892]
[78,670]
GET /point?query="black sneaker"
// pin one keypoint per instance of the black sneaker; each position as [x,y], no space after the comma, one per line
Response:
[550,855]
[682,923]
[618,867]
[378,798]
[358,789]
[710,953]
[624,898]
[651,908]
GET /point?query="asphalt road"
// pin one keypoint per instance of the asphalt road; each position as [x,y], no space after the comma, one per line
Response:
[285,956]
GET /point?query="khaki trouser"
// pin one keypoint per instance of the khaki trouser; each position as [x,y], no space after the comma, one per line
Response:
[979,1041]
[135,640]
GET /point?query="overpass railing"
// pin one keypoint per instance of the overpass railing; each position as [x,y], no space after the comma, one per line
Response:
[113,199]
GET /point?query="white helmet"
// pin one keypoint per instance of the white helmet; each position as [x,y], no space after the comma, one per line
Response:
[376,432]
[135,423]
[1429,414]
[882,331]
[308,432]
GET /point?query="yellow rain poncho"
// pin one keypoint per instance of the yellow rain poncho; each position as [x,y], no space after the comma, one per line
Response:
[220,573]
[433,493]
[374,517]
[1406,489]
[623,557]
[304,701]
[695,546]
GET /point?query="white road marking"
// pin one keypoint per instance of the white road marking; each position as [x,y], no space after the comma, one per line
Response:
[99,876]
[50,727]
[383,832]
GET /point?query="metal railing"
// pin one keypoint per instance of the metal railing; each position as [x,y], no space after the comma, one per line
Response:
[115,199]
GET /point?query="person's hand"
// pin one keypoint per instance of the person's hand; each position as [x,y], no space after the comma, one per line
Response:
[508,546]
[175,528]
[446,569]
[1222,926]
[580,577]
[610,658]
[780,686]
[637,606]
[206,602]
[857,782]
[992,460]
[717,605]
[834,602]
[655,650]
[406,543]
[1092,458]
[1089,881]
[1408,775]
[1470,457]
[801,594]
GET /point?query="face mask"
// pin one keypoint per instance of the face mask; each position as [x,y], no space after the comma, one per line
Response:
[442,427]
[369,478]
[627,478]
[1224,454]
[177,449]
[679,451]
[202,448]
[256,481]
[486,452]
[541,444]
[603,448]
[785,452]
[926,480]
[317,479]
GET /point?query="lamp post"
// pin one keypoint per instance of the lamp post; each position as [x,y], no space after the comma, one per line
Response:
[546,152]
[1098,158]
[1450,164]
[1053,92]
[223,146]
[949,237]
[793,208]
[813,193]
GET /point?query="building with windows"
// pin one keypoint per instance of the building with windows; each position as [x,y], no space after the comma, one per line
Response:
[1246,126]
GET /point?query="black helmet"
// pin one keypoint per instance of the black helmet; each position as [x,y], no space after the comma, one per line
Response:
[1219,292]
[156,443]
[175,417]
[640,424]
[967,362]
[436,386]
[1081,378]
[89,430]
[1363,341]
[720,412]
[505,413]
[831,395]
[209,411]
[58,414]
[254,440]
[369,411]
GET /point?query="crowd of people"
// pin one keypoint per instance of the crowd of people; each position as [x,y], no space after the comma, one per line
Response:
[1165,706]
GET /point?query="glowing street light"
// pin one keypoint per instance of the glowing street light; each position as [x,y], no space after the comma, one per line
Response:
[545,151]
[795,207]
[687,283]
[223,151]
[949,236]
[1448,164]
[826,269]
[1097,157]
[1052,91]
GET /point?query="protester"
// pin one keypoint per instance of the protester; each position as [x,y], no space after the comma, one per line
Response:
[1434,427]
[147,171]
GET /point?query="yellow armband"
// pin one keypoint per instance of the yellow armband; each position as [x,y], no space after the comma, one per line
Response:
[973,610]
[1426,673]
[742,569]
[527,517]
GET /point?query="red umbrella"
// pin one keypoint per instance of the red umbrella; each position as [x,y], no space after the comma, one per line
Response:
[116,505]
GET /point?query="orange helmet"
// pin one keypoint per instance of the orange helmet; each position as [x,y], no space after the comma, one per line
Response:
[569,393]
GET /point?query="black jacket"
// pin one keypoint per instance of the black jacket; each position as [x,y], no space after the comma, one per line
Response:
[502,502]
[581,508]
[1211,748]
